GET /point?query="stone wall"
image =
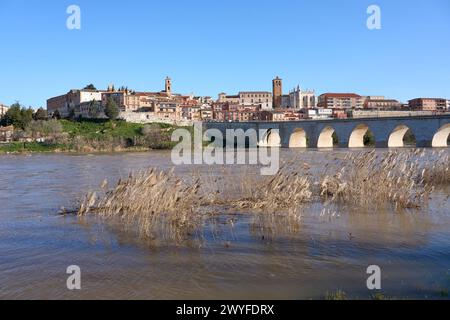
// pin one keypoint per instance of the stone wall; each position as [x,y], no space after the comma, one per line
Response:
[150,117]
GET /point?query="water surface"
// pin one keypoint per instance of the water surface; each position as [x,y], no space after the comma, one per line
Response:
[327,253]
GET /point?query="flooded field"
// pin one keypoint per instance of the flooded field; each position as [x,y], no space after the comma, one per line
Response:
[328,250]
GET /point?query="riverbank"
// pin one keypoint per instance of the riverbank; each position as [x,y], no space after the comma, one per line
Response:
[90,136]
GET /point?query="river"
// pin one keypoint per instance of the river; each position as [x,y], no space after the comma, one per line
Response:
[327,253]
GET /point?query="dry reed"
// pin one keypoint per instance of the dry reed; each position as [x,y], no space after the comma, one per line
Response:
[158,205]
[372,180]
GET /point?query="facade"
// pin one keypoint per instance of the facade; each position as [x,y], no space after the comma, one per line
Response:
[90,110]
[302,99]
[236,113]
[72,100]
[317,113]
[448,105]
[340,101]
[277,91]
[381,104]
[249,98]
[3,109]
[428,104]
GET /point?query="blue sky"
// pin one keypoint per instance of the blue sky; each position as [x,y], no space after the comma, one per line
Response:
[210,46]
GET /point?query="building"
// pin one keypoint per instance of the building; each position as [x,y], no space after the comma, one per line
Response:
[236,112]
[381,103]
[448,105]
[249,98]
[340,101]
[277,91]
[302,99]
[3,109]
[428,104]
[206,113]
[317,113]
[69,101]
[164,105]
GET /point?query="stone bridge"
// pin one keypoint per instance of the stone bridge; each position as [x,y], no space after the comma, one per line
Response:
[429,131]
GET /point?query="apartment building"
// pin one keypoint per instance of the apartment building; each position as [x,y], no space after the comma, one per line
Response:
[341,101]
[381,103]
[428,104]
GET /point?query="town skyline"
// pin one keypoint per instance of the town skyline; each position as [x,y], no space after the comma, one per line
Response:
[330,49]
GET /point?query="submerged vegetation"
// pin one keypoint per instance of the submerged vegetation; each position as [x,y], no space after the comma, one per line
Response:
[372,180]
[160,206]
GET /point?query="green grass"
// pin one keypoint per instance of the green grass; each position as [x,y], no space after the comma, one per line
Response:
[19,147]
[101,129]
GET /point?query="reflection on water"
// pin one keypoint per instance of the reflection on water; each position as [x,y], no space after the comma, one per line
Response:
[328,251]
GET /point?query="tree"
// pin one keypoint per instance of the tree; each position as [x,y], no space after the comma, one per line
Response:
[71,114]
[93,110]
[111,109]
[13,116]
[18,117]
[27,117]
[56,115]
[40,114]
[90,87]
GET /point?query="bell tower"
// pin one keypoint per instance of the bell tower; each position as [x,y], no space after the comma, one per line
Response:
[277,92]
[168,87]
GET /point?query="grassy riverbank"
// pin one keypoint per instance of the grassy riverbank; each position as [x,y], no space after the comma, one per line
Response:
[91,136]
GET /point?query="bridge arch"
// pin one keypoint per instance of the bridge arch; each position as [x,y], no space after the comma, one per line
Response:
[298,139]
[271,138]
[358,135]
[396,138]
[441,137]
[325,139]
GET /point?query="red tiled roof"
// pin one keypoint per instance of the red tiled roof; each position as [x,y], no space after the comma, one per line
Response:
[342,95]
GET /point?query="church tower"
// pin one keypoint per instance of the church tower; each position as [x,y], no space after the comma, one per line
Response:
[277,92]
[168,87]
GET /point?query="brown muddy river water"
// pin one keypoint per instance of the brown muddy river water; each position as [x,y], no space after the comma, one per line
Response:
[328,252]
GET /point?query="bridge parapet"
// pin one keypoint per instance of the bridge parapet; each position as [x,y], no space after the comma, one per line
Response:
[388,132]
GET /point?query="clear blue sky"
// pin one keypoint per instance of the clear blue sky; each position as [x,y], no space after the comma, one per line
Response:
[210,46]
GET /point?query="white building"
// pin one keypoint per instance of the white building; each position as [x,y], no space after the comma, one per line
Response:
[3,109]
[320,113]
[448,105]
[302,99]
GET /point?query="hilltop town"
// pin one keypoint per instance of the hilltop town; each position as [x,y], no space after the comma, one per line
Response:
[169,107]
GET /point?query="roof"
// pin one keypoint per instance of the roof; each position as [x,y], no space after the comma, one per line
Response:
[342,95]
[255,92]
[382,100]
[427,99]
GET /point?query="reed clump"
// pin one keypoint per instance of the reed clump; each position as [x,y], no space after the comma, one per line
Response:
[287,190]
[368,179]
[155,203]
[438,172]
[160,205]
